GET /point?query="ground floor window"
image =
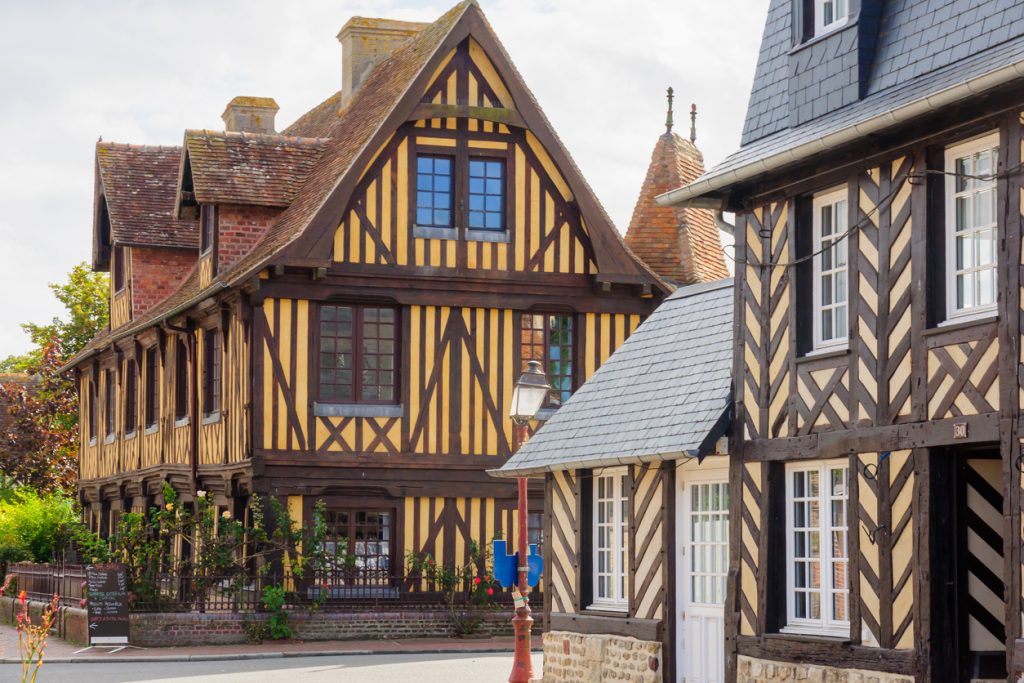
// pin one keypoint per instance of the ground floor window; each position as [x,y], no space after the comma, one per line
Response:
[818,588]
[365,555]
[611,540]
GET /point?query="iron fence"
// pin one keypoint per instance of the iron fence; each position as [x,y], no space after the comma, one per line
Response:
[189,592]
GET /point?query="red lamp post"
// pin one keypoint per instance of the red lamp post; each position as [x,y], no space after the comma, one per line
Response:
[527,398]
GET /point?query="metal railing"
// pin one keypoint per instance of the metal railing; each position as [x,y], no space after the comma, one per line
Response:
[351,589]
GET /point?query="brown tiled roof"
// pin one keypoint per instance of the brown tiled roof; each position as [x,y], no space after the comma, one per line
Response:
[679,244]
[318,121]
[249,168]
[140,184]
[345,135]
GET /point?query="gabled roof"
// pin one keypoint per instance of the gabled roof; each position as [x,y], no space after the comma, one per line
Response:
[664,394]
[248,168]
[139,184]
[928,55]
[303,233]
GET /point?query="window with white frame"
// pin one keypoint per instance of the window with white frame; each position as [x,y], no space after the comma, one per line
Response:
[971,227]
[831,300]
[829,15]
[610,540]
[817,572]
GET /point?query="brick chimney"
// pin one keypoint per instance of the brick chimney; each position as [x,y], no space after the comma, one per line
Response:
[364,43]
[681,245]
[250,115]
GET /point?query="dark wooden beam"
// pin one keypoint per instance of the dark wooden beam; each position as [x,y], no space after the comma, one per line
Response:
[510,117]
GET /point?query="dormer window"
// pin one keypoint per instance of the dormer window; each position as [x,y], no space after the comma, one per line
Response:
[830,15]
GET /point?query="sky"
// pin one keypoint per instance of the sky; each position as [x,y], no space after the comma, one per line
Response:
[144,71]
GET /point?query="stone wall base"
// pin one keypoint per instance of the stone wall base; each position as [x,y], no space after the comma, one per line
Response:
[573,657]
[751,670]
[186,628]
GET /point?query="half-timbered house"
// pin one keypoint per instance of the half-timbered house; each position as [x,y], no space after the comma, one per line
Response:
[875,474]
[339,310]
[632,514]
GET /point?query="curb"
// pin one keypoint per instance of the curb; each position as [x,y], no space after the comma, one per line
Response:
[237,656]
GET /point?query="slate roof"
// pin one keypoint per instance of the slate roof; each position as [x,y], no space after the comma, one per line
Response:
[663,394]
[140,185]
[916,37]
[249,168]
[866,116]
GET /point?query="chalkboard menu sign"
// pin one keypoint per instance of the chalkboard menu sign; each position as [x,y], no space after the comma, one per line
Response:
[108,604]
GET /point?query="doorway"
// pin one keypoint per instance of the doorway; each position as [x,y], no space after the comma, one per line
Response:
[702,544]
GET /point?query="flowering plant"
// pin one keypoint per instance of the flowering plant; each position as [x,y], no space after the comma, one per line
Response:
[32,637]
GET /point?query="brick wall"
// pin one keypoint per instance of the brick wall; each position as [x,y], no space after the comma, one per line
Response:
[183,629]
[240,227]
[572,657]
[72,624]
[156,273]
[750,670]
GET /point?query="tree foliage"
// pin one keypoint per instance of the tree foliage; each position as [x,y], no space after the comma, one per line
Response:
[39,448]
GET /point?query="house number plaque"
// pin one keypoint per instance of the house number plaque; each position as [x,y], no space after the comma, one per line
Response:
[959,430]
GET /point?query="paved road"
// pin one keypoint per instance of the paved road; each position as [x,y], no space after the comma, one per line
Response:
[479,668]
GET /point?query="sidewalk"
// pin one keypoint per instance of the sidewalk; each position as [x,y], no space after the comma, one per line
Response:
[59,651]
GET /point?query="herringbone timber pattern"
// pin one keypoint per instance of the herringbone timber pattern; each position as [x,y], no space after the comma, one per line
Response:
[986,606]
[779,302]
[870,561]
[648,585]
[900,634]
[753,329]
[750,544]
[868,293]
[897,340]
[564,561]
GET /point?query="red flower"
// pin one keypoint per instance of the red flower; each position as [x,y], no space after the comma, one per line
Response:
[83,602]
[430,562]
[22,596]
[477,580]
[490,591]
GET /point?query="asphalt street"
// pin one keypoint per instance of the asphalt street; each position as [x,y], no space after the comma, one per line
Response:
[422,668]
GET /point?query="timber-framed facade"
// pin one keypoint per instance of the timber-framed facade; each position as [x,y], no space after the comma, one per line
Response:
[359,293]
[875,480]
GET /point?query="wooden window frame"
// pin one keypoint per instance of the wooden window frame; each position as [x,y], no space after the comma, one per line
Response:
[619,479]
[968,148]
[110,403]
[452,157]
[118,267]
[392,571]
[131,397]
[357,355]
[209,219]
[181,360]
[213,372]
[837,201]
[152,389]
[94,400]
[827,625]
[461,154]
[572,358]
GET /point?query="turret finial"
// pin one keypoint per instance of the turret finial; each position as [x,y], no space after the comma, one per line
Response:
[693,123]
[668,119]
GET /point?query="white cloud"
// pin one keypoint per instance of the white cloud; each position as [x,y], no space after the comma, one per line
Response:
[143,72]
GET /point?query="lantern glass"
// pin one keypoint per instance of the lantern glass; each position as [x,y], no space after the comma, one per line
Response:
[529,393]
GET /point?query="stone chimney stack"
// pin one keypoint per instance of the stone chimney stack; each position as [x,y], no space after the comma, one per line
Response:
[250,115]
[364,43]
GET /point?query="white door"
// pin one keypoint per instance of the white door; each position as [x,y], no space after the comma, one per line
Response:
[702,541]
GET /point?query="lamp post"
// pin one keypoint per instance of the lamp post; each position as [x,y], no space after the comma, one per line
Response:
[527,398]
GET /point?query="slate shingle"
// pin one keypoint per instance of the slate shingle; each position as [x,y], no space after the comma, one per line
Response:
[662,394]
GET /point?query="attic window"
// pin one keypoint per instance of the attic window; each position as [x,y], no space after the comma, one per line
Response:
[829,15]
[209,223]
[118,267]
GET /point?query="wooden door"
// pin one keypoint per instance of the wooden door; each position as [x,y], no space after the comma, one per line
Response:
[702,541]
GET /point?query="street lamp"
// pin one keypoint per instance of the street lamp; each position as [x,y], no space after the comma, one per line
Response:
[528,396]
